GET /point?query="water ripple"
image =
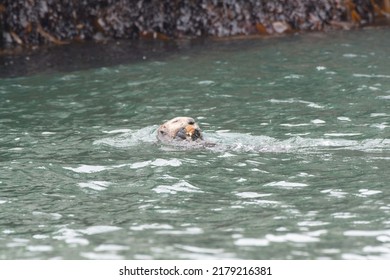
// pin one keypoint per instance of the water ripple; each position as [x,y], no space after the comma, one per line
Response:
[299,169]
[178,187]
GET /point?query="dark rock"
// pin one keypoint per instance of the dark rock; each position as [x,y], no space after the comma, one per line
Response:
[38,22]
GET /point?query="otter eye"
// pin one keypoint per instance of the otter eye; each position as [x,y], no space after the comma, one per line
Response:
[191,122]
[162,132]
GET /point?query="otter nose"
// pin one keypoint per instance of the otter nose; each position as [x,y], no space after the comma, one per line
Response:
[182,134]
[192,132]
[189,132]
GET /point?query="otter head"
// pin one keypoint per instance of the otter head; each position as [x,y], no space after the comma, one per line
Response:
[180,128]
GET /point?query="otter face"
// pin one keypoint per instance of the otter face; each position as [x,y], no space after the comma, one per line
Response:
[180,128]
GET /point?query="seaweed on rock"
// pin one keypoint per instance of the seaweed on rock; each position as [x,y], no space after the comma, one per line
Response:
[37,22]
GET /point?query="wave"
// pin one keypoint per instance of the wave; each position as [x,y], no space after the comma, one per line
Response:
[223,141]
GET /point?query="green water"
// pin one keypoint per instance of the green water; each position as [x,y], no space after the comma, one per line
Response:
[300,169]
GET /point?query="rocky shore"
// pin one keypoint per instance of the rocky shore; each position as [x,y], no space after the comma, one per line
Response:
[31,23]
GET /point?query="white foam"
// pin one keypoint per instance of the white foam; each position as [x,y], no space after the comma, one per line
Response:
[141,164]
[40,236]
[383,97]
[343,215]
[292,237]
[123,130]
[111,247]
[293,100]
[88,168]
[350,55]
[16,149]
[39,248]
[129,138]
[70,236]
[379,115]
[373,88]
[286,184]
[206,82]
[341,134]
[252,194]
[367,233]
[77,241]
[318,121]
[157,162]
[151,226]
[163,162]
[182,186]
[95,185]
[100,256]
[241,180]
[376,249]
[335,193]
[312,223]
[381,126]
[99,229]
[261,202]
[313,105]
[200,250]
[46,133]
[370,76]
[54,216]
[294,125]
[367,192]
[383,238]
[251,242]
[344,119]
[293,76]
[186,231]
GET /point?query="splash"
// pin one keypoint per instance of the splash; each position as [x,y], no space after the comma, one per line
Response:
[124,138]
[224,141]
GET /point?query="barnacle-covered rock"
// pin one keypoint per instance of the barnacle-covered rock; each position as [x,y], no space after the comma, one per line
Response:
[37,22]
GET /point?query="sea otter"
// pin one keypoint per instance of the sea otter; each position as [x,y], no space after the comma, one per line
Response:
[180,129]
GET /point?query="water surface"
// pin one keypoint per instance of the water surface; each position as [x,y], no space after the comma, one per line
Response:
[300,169]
